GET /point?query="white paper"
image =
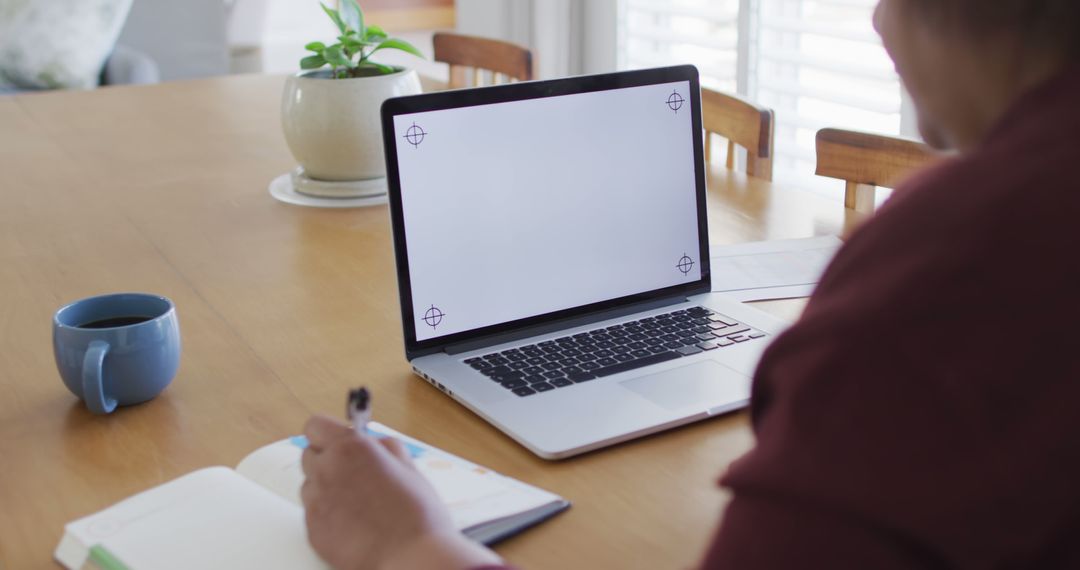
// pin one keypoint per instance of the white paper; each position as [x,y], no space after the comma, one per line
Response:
[778,269]
[210,519]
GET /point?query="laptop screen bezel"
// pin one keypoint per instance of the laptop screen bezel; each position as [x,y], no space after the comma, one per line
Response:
[453,99]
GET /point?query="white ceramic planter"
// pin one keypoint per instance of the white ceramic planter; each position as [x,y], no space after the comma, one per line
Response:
[332,126]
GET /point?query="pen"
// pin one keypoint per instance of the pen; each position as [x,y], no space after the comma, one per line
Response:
[359,409]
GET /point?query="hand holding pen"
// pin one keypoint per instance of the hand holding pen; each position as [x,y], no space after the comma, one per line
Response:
[367,506]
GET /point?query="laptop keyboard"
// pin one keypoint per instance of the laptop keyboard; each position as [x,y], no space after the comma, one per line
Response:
[569,360]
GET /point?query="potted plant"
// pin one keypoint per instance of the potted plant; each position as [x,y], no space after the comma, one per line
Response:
[330,109]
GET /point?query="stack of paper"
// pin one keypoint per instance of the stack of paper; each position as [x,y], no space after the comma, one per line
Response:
[780,269]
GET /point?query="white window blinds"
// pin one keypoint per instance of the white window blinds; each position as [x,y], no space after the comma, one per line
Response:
[817,63]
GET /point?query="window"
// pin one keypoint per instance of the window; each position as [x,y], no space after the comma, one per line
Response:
[817,63]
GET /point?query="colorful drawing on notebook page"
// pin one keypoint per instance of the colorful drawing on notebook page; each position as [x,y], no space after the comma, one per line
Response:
[415,451]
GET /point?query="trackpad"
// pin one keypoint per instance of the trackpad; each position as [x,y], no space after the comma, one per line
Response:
[704,385]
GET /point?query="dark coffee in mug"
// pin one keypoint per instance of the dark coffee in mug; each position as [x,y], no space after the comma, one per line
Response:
[113,322]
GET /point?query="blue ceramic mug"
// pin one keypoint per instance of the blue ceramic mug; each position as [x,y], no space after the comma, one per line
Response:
[118,349]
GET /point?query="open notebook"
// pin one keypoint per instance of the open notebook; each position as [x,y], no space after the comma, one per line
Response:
[252,517]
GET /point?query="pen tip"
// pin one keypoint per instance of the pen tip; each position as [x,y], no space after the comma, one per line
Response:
[359,398]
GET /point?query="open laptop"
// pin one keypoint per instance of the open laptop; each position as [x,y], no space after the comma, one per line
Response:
[553,258]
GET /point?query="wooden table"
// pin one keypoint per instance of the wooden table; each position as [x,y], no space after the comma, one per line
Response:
[164,189]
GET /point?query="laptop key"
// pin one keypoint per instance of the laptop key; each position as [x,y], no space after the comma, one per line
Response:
[607,361]
[472,360]
[499,370]
[657,349]
[637,363]
[526,391]
[688,350]
[481,364]
[623,357]
[542,387]
[520,383]
[554,374]
[707,345]
[737,329]
[757,334]
[724,342]
[534,378]
[640,353]
[725,320]
[561,382]
[691,341]
[589,366]
[581,377]
[739,338]
[515,375]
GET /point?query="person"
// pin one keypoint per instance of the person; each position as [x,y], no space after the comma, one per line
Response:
[921,413]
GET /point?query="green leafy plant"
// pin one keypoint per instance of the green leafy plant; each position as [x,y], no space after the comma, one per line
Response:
[350,56]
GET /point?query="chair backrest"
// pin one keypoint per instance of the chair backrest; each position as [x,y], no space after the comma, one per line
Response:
[742,123]
[865,161]
[470,56]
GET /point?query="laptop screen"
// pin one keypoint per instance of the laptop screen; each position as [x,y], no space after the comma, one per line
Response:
[525,208]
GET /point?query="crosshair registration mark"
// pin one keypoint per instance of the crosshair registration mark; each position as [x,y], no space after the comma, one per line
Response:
[415,135]
[675,101]
[433,316]
[685,264]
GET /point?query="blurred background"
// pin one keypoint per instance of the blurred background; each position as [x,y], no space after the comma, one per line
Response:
[816,62]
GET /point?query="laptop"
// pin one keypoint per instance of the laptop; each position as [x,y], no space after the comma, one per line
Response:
[553,258]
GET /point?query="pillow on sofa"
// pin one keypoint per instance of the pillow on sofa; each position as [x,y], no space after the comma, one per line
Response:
[57,44]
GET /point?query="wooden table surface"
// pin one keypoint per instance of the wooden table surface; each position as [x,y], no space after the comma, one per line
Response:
[282,308]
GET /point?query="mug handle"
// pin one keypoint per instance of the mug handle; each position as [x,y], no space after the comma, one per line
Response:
[92,384]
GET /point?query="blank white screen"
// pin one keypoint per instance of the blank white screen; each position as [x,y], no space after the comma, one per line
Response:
[518,209]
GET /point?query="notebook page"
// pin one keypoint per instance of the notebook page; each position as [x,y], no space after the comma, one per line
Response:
[473,494]
[209,519]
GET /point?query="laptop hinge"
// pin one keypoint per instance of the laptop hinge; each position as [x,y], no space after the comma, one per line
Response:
[562,324]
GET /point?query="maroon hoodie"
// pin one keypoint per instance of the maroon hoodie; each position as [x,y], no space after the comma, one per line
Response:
[925,411]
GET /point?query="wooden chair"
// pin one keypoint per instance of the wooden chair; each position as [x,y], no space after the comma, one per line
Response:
[742,123]
[503,60]
[865,161]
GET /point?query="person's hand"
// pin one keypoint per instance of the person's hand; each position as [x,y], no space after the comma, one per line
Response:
[367,507]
